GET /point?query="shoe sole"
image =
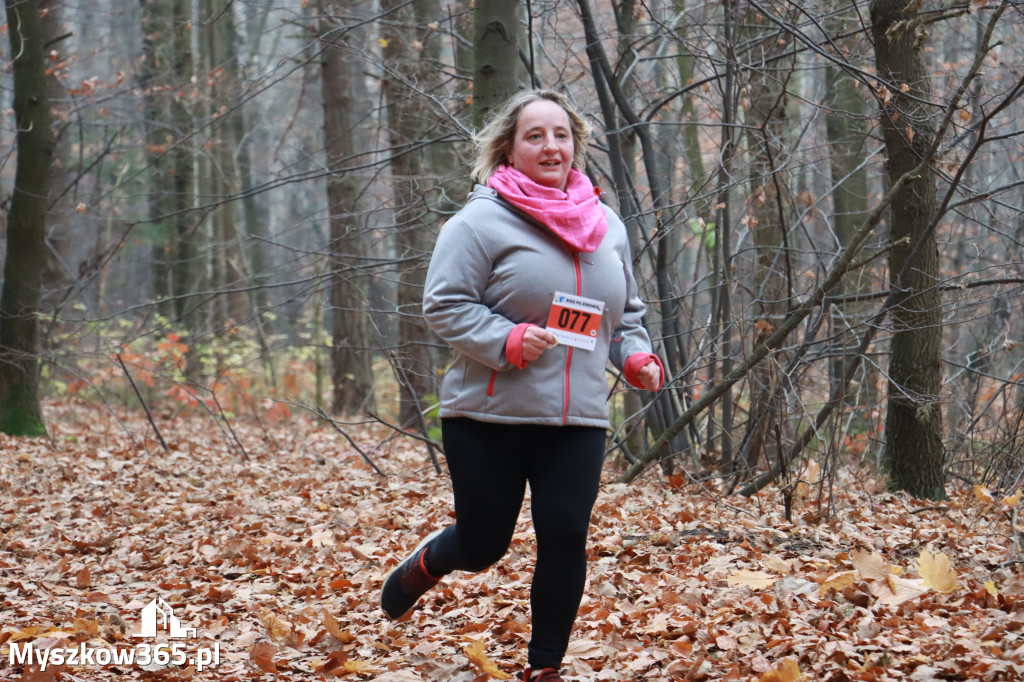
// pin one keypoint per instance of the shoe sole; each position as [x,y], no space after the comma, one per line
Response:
[423,543]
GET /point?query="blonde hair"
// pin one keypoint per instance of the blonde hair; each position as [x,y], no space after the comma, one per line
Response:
[494,142]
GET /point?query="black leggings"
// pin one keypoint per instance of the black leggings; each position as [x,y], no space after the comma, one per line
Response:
[490,465]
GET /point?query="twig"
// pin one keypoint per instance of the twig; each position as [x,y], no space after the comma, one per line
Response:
[323,415]
[398,429]
[1016,535]
[922,510]
[227,425]
[403,379]
[149,415]
[219,419]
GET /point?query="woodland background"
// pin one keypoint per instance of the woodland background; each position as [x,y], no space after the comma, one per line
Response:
[218,216]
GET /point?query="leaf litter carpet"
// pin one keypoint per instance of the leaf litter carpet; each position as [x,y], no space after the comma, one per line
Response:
[272,542]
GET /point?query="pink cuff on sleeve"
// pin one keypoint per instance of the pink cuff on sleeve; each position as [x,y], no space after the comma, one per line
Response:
[631,370]
[514,345]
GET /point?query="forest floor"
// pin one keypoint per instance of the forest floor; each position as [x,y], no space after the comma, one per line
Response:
[275,556]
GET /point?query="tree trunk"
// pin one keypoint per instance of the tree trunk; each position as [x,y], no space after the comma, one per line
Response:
[412,50]
[722,323]
[344,110]
[20,412]
[846,128]
[766,124]
[913,455]
[188,268]
[497,71]
[219,55]
[56,276]
[155,73]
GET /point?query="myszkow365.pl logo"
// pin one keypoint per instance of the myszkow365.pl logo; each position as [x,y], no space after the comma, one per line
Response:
[158,614]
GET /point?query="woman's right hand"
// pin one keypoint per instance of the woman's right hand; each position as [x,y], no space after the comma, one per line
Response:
[536,340]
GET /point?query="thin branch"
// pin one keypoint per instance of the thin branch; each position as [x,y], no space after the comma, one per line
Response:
[149,415]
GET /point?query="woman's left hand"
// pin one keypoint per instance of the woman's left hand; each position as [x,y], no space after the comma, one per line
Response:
[650,376]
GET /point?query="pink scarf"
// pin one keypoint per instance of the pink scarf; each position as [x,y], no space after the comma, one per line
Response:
[575,215]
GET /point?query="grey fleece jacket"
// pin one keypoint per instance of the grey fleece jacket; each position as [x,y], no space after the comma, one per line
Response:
[495,267]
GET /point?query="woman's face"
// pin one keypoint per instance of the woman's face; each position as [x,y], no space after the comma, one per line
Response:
[543,148]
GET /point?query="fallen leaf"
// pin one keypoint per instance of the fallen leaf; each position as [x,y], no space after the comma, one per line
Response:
[838,582]
[363,668]
[787,670]
[584,648]
[277,628]
[937,571]
[89,627]
[1012,500]
[757,580]
[872,566]
[658,625]
[262,655]
[894,591]
[983,494]
[475,653]
[778,564]
[334,661]
[332,627]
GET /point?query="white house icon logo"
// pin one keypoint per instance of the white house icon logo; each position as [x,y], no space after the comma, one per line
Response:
[159,609]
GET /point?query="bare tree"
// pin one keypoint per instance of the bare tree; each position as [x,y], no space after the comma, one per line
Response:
[345,111]
[914,455]
[497,70]
[20,412]
[412,52]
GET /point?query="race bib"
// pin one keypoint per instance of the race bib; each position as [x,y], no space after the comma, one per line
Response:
[575,320]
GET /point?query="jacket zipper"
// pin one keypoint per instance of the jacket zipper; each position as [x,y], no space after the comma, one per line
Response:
[568,357]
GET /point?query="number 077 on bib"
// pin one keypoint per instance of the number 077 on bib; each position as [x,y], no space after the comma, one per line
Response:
[575,320]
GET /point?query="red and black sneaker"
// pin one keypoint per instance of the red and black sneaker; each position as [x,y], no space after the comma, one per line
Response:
[545,675]
[407,582]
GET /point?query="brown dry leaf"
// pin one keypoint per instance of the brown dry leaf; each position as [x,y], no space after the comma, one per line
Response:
[658,625]
[937,571]
[334,661]
[757,580]
[332,627]
[356,667]
[779,564]
[262,655]
[1011,500]
[83,579]
[787,670]
[475,653]
[983,494]
[277,628]
[89,627]
[838,582]
[895,591]
[584,648]
[872,566]
[725,642]
[27,633]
